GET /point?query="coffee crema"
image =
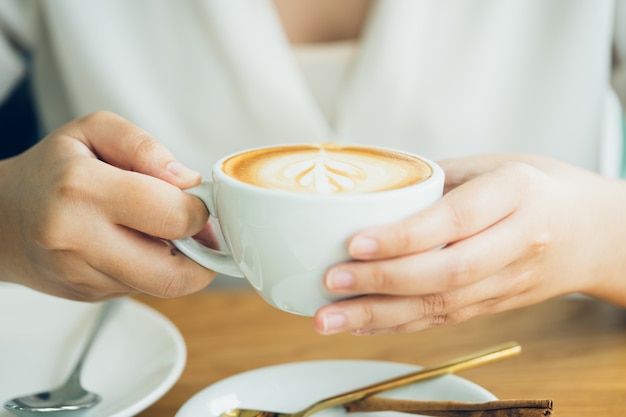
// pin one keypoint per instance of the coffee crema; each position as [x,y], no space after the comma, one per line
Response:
[327,168]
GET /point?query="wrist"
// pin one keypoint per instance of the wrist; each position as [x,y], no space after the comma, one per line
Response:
[609,243]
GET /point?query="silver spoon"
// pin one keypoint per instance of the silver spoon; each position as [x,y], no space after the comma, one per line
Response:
[71,397]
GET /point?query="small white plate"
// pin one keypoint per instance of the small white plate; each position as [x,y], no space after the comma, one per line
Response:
[293,386]
[136,358]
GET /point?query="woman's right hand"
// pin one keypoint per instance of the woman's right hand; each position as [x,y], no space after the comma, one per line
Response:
[86,214]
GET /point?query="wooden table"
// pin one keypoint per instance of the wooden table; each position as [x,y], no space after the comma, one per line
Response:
[574,349]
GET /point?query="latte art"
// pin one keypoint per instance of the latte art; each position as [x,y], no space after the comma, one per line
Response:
[324,174]
[327,169]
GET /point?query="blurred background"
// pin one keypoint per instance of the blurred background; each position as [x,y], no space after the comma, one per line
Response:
[18,121]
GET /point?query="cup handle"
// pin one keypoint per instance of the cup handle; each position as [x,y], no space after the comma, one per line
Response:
[212,259]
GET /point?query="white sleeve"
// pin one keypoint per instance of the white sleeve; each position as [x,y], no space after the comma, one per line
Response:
[618,79]
[16,30]
[619,51]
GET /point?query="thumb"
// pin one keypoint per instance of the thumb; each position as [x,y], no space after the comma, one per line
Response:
[122,144]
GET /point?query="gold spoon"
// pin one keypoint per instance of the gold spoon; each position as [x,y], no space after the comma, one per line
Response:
[459,364]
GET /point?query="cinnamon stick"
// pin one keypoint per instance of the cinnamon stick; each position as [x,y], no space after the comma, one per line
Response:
[498,408]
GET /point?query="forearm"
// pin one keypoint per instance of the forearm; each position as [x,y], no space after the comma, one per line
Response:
[11,269]
[608,244]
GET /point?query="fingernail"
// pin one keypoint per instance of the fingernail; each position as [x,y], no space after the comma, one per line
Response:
[181,171]
[363,246]
[339,279]
[333,322]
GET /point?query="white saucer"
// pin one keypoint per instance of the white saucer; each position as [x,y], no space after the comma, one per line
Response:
[293,386]
[136,358]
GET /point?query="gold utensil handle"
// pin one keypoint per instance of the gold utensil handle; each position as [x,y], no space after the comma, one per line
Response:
[499,408]
[469,361]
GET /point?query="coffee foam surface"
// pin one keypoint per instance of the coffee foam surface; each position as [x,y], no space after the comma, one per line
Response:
[327,169]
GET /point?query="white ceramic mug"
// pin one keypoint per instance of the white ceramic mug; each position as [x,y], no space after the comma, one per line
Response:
[283,242]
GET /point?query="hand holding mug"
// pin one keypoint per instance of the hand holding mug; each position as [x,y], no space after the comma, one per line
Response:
[85,211]
[515,230]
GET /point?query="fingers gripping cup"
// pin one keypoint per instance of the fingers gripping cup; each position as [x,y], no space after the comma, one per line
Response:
[287,212]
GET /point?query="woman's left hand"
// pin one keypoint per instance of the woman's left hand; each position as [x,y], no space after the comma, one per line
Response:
[510,231]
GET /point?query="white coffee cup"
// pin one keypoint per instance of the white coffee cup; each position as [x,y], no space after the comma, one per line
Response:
[284,241]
